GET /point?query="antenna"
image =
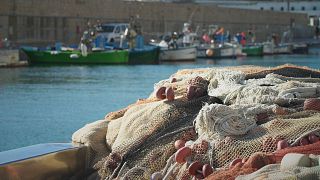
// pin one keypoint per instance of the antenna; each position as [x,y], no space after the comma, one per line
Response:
[192,14]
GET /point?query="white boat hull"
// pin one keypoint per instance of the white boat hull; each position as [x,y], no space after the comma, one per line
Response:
[220,52]
[281,49]
[180,54]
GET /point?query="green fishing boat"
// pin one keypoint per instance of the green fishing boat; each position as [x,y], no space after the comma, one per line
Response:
[36,56]
[147,55]
[253,50]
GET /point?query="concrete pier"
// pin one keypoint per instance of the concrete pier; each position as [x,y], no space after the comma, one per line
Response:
[10,58]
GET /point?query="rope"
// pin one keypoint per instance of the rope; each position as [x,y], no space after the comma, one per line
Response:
[224,120]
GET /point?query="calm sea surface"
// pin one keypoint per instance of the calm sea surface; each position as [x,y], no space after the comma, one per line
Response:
[48,103]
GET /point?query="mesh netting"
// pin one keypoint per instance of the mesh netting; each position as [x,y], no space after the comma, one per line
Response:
[273,171]
[260,109]
[263,138]
[147,132]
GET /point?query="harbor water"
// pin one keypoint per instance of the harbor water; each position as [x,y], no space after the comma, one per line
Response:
[42,104]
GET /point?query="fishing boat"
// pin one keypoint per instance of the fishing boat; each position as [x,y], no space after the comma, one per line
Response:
[178,54]
[145,55]
[300,48]
[175,53]
[96,48]
[253,50]
[226,50]
[38,56]
[270,48]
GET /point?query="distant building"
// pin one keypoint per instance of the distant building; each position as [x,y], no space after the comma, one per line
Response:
[310,7]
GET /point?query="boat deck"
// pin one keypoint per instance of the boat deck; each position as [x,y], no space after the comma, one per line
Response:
[44,161]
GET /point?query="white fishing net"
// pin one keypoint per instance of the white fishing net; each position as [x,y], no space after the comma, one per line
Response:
[261,106]
[93,136]
[266,90]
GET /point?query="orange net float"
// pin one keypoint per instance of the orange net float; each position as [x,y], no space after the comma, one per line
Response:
[195,169]
[207,170]
[182,154]
[160,93]
[170,94]
[179,144]
[313,138]
[209,52]
[173,80]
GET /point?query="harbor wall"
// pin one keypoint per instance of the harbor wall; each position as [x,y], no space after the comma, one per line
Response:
[46,21]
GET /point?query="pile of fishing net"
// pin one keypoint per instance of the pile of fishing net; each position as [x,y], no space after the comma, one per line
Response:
[209,121]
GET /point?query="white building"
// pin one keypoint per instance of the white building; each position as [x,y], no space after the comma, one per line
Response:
[312,8]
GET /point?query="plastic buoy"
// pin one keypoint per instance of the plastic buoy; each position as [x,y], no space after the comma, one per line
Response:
[195,167]
[234,162]
[207,170]
[313,138]
[282,144]
[179,144]
[304,141]
[182,154]
[209,52]
[170,94]
[160,94]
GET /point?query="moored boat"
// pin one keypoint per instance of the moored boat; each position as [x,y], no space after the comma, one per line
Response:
[269,48]
[222,51]
[178,54]
[300,48]
[36,56]
[145,55]
[253,50]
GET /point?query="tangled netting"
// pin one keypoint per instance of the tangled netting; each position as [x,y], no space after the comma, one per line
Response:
[282,164]
[220,113]
[262,138]
[146,134]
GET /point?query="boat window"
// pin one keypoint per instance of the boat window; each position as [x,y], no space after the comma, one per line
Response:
[117,29]
[303,8]
[271,8]
[123,28]
[314,8]
[292,8]
[261,8]
[281,8]
[106,28]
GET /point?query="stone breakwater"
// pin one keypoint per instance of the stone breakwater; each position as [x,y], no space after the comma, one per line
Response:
[215,123]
